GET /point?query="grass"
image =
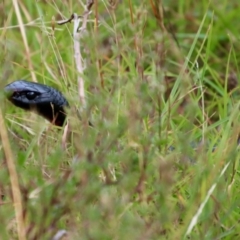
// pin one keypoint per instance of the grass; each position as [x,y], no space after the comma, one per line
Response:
[161,161]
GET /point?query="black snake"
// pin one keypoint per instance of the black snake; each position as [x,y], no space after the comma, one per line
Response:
[42,99]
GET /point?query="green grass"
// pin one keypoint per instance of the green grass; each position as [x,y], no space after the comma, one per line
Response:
[151,84]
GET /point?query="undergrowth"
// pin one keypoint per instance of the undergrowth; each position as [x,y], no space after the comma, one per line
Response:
[161,81]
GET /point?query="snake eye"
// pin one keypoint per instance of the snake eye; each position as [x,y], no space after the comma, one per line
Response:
[31,95]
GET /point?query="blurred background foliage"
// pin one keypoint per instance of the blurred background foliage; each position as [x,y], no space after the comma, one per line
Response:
[162,87]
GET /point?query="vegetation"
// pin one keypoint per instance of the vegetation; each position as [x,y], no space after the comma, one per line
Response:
[162,88]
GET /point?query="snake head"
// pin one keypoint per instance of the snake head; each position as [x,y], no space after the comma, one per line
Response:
[44,100]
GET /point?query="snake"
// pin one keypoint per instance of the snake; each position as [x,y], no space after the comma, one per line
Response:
[42,99]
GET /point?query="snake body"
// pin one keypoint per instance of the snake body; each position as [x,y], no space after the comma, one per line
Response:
[42,99]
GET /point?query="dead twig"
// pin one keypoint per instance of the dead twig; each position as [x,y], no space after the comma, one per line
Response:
[78,32]
[16,193]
